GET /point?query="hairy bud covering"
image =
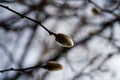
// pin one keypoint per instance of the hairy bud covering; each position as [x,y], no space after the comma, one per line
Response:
[64,40]
[53,66]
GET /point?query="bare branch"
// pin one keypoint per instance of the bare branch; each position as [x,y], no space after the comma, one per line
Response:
[23,16]
[22,69]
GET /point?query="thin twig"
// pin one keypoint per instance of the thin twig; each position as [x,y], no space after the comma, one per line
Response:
[21,69]
[23,16]
[7,1]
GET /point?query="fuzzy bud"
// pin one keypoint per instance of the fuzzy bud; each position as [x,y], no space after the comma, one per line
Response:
[53,66]
[92,33]
[64,40]
[96,10]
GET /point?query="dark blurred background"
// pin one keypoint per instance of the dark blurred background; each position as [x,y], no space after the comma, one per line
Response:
[93,24]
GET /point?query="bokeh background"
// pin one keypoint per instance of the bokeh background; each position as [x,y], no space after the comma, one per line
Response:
[93,24]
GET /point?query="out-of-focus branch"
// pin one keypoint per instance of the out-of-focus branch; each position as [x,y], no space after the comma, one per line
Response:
[28,45]
[118,5]
[82,73]
[104,26]
[103,10]
[8,53]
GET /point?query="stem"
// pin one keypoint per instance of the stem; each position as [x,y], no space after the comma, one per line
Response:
[23,16]
[7,1]
[21,69]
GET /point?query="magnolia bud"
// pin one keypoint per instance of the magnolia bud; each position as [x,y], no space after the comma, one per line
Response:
[96,10]
[64,40]
[92,33]
[53,66]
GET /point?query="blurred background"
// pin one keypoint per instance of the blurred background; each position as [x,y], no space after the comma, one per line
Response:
[93,24]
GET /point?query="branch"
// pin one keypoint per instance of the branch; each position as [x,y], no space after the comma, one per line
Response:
[51,66]
[7,1]
[21,69]
[104,10]
[23,16]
